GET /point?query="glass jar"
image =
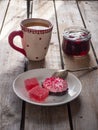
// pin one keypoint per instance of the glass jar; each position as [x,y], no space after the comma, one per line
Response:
[76,41]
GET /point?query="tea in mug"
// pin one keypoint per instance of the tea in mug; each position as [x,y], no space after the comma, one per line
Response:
[37,26]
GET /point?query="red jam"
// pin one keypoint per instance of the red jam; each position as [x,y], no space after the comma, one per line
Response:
[76,41]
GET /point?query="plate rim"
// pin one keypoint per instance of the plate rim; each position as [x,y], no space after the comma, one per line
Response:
[42,103]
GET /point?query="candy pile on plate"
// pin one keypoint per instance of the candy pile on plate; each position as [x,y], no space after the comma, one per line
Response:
[50,86]
[35,91]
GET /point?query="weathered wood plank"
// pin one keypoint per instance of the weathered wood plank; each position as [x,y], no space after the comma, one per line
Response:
[86,110]
[68,15]
[3,9]
[44,9]
[37,117]
[89,10]
[12,64]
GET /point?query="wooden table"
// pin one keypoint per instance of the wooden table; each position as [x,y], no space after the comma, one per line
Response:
[29,8]
[81,113]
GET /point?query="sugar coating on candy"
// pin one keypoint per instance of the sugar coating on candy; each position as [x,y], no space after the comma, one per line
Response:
[30,83]
[38,93]
[54,84]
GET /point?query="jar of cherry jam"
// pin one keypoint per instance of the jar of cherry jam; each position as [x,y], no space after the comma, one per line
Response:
[76,41]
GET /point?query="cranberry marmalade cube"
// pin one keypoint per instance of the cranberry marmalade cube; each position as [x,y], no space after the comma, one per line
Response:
[30,83]
[38,93]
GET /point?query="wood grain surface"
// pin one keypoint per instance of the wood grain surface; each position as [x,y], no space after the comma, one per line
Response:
[81,113]
[11,64]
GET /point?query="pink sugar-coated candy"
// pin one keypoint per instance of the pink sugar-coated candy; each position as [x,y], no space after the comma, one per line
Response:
[38,93]
[30,83]
[55,84]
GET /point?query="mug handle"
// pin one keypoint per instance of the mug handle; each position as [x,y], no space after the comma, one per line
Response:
[11,38]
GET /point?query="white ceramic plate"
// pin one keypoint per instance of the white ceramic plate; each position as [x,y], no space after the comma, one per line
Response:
[74,86]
